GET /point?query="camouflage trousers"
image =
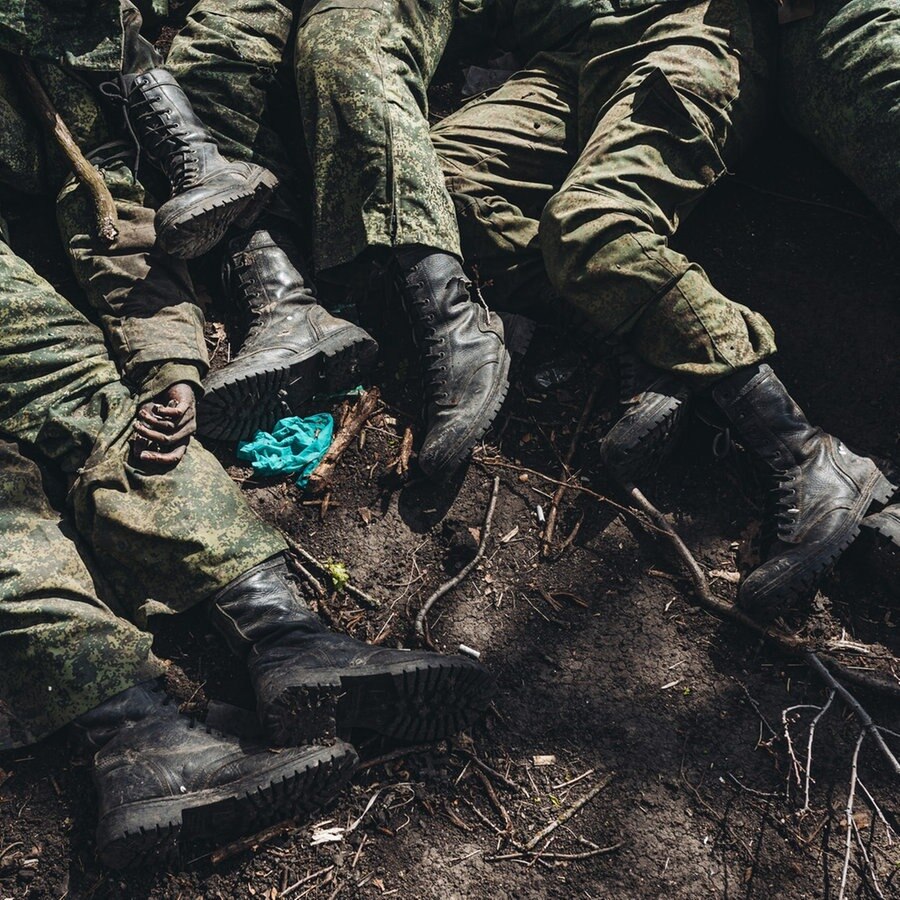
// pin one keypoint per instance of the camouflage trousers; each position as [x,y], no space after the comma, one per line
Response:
[354,73]
[93,544]
[839,80]
[586,162]
[145,299]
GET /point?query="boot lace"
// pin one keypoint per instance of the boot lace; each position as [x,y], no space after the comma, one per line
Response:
[161,135]
[432,344]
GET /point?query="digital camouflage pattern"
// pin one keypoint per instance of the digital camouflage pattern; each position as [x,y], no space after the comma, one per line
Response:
[83,34]
[163,540]
[592,156]
[376,182]
[64,651]
[839,83]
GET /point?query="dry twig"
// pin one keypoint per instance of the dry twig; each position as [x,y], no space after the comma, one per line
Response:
[104,205]
[570,811]
[457,579]
[350,426]
[550,527]
[349,587]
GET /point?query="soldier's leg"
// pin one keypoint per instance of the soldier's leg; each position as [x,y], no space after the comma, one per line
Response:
[167,539]
[64,650]
[839,85]
[378,188]
[693,93]
[229,59]
[504,156]
[232,57]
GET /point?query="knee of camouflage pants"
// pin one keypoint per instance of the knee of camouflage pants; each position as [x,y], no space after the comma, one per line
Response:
[604,234]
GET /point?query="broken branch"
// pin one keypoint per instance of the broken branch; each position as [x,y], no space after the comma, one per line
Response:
[448,586]
[550,527]
[348,430]
[104,205]
[572,810]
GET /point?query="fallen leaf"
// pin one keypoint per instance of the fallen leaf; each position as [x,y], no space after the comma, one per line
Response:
[545,760]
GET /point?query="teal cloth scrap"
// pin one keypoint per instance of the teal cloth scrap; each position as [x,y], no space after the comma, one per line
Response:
[295,444]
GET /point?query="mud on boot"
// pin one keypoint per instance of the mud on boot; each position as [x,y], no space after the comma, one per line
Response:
[465,362]
[292,349]
[208,192]
[164,782]
[654,406]
[820,491]
[310,680]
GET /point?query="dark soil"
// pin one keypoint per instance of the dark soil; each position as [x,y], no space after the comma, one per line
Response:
[618,673]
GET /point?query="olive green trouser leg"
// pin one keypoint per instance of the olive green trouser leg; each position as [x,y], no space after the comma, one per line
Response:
[162,540]
[64,650]
[362,68]
[233,60]
[650,107]
[839,85]
[145,299]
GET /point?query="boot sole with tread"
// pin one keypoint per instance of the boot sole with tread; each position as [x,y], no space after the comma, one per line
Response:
[198,228]
[413,702]
[645,448]
[154,832]
[235,410]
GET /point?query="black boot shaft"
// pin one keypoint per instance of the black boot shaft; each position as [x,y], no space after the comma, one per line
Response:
[263,274]
[765,415]
[259,606]
[95,728]
[168,129]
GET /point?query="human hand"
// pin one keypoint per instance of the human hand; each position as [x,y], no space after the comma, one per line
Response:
[164,425]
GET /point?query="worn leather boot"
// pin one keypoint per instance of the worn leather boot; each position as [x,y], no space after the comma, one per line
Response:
[208,193]
[466,365]
[654,406]
[821,490]
[309,680]
[164,781]
[292,348]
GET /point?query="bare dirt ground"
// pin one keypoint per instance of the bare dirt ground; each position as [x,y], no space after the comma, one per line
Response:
[604,664]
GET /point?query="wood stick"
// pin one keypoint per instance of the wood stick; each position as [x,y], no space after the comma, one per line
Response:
[402,465]
[550,527]
[254,840]
[350,426]
[448,586]
[787,643]
[349,587]
[105,208]
[569,812]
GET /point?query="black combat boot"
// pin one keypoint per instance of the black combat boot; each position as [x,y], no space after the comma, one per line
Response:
[466,365]
[163,780]
[821,490]
[293,347]
[208,193]
[309,680]
[654,406]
